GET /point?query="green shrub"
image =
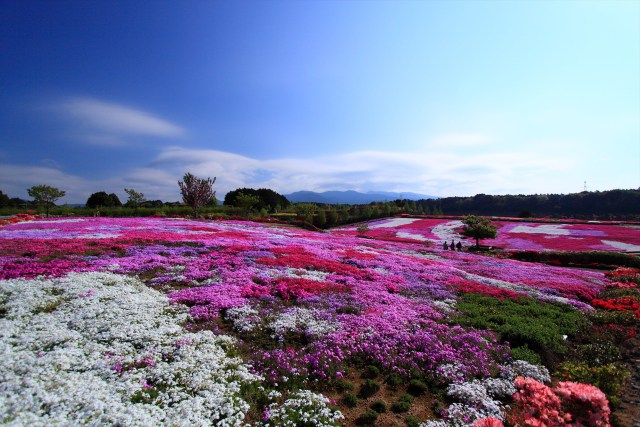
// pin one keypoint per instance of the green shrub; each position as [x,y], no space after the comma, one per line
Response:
[344,385]
[597,354]
[379,406]
[394,380]
[578,258]
[607,317]
[417,387]
[539,325]
[351,400]
[367,419]
[401,407]
[412,421]
[403,404]
[525,353]
[608,378]
[371,372]
[369,388]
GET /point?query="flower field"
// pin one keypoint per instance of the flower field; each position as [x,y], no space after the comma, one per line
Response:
[150,321]
[516,235]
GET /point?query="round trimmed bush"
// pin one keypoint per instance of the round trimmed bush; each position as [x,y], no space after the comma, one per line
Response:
[367,419]
[369,388]
[379,406]
[417,387]
[351,400]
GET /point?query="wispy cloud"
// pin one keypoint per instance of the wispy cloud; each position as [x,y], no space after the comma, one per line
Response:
[438,173]
[109,124]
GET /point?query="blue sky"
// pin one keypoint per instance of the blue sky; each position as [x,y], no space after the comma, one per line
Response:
[446,98]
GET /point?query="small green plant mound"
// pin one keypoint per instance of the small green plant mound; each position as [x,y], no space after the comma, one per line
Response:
[412,421]
[394,380]
[539,325]
[367,419]
[371,372]
[369,388]
[379,406]
[344,385]
[403,404]
[351,400]
[417,387]
[526,354]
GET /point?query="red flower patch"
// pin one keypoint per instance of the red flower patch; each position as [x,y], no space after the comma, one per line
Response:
[469,287]
[289,288]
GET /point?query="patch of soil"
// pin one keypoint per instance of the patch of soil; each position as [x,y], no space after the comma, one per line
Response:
[627,414]
[421,406]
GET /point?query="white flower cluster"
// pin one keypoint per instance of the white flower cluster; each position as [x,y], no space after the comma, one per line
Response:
[244,318]
[522,368]
[103,349]
[301,320]
[479,398]
[304,407]
[446,306]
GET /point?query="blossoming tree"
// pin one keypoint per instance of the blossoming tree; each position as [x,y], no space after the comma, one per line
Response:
[196,192]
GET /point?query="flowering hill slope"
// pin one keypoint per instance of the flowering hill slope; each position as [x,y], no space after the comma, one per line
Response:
[278,314]
[518,235]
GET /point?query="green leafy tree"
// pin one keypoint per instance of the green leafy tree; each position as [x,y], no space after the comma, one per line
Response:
[478,227]
[305,211]
[45,195]
[321,218]
[135,198]
[267,199]
[101,198]
[4,200]
[247,202]
[196,192]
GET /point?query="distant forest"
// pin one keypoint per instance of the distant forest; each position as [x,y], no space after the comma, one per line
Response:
[613,204]
[600,205]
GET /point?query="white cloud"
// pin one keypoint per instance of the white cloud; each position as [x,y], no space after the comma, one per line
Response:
[435,173]
[438,173]
[102,123]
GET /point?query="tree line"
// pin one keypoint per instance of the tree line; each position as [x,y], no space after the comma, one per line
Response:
[198,195]
[612,204]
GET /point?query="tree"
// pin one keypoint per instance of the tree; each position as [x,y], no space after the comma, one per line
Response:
[478,227]
[135,198]
[246,202]
[4,200]
[101,198]
[267,199]
[45,195]
[196,192]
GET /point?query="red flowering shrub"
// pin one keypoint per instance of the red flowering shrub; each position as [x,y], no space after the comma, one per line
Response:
[621,285]
[488,422]
[619,304]
[625,274]
[587,405]
[535,404]
[567,404]
[469,287]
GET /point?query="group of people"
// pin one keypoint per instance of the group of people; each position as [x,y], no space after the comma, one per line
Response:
[453,247]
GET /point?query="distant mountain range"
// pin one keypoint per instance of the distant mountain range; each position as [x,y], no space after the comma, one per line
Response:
[352,197]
